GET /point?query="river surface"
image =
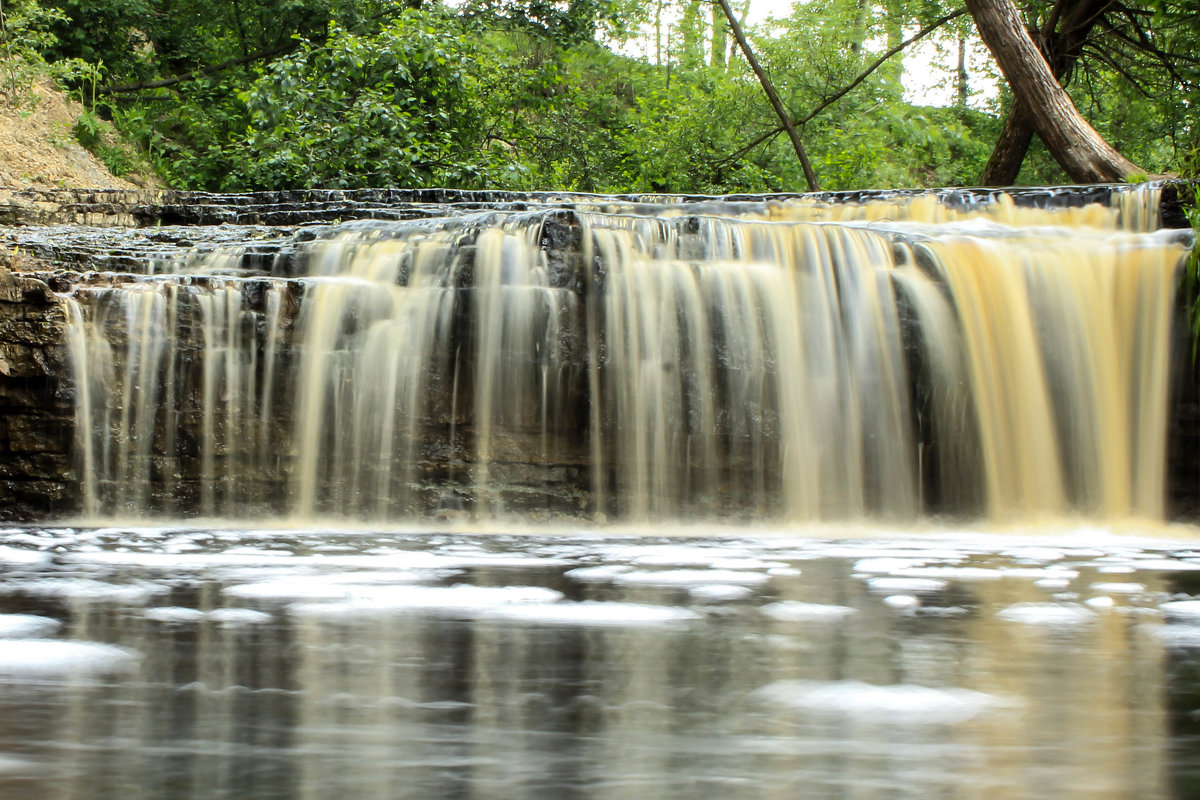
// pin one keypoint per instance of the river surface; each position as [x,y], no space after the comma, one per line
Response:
[167,663]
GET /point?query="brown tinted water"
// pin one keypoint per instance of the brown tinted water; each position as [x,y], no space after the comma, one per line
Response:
[828,663]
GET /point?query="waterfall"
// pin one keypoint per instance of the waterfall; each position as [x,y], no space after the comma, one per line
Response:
[606,358]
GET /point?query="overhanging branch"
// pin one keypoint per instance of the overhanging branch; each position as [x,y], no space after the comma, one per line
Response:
[162,83]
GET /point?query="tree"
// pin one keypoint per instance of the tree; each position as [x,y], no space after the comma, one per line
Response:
[784,117]
[1061,41]
[1076,146]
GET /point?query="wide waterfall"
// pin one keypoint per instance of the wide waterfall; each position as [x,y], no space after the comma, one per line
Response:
[614,359]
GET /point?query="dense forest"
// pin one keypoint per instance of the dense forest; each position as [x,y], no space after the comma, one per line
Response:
[602,95]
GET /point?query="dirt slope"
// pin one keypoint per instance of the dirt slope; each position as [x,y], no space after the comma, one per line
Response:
[38,150]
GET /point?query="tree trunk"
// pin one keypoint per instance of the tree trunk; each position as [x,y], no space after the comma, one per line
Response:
[1062,50]
[785,119]
[717,59]
[962,78]
[692,30]
[1075,145]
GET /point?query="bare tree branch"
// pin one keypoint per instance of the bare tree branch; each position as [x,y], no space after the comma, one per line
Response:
[862,76]
[736,28]
[197,73]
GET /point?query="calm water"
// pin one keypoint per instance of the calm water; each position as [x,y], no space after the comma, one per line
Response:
[195,663]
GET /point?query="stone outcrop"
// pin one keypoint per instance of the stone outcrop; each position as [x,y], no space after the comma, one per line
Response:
[36,419]
[159,207]
[57,239]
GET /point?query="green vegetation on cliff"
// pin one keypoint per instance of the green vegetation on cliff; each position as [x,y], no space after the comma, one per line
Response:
[595,95]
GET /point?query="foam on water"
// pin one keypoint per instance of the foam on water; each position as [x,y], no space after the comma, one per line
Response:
[323,587]
[235,617]
[794,611]
[685,577]
[14,555]
[13,764]
[459,600]
[45,658]
[1048,614]
[1118,588]
[174,615]
[599,574]
[899,704]
[891,585]
[23,626]
[618,615]
[1188,610]
[84,589]
[719,592]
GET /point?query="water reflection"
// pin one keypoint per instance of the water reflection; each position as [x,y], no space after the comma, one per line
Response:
[205,664]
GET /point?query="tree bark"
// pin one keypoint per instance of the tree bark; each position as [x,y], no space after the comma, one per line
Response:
[719,37]
[1076,146]
[1062,49]
[784,118]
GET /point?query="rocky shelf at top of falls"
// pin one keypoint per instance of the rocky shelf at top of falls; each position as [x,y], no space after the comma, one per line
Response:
[81,257]
[148,208]
[131,231]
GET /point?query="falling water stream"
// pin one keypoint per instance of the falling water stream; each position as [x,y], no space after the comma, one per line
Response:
[653,364]
[617,499]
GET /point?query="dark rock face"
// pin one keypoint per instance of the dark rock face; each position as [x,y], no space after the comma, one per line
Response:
[36,420]
[66,239]
[165,208]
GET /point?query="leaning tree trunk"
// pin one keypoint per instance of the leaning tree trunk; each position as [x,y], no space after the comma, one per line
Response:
[1062,49]
[1075,144]
[810,176]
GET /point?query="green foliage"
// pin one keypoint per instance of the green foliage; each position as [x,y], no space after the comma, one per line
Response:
[386,110]
[389,108]
[26,31]
[531,94]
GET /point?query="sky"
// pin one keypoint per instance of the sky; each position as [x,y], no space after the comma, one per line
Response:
[927,73]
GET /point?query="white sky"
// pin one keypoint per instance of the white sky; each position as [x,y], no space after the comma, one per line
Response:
[928,73]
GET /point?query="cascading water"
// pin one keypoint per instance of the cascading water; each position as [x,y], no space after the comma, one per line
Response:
[792,360]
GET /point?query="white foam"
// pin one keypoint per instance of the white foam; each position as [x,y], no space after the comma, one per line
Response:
[904,704]
[1038,573]
[15,555]
[905,585]
[1049,614]
[683,577]
[614,615]
[953,573]
[720,592]
[460,600]
[323,587]
[1053,584]
[174,615]
[1118,588]
[87,589]
[1182,609]
[1180,637]
[1167,565]
[48,658]
[26,626]
[887,565]
[598,574]
[794,611]
[238,616]
[902,602]
[14,764]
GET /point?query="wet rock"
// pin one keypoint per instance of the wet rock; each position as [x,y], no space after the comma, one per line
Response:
[38,433]
[22,361]
[16,288]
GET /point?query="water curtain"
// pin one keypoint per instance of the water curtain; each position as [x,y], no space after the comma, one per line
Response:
[608,359]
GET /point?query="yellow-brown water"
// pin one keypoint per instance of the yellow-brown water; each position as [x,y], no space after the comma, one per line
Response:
[784,360]
[177,662]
